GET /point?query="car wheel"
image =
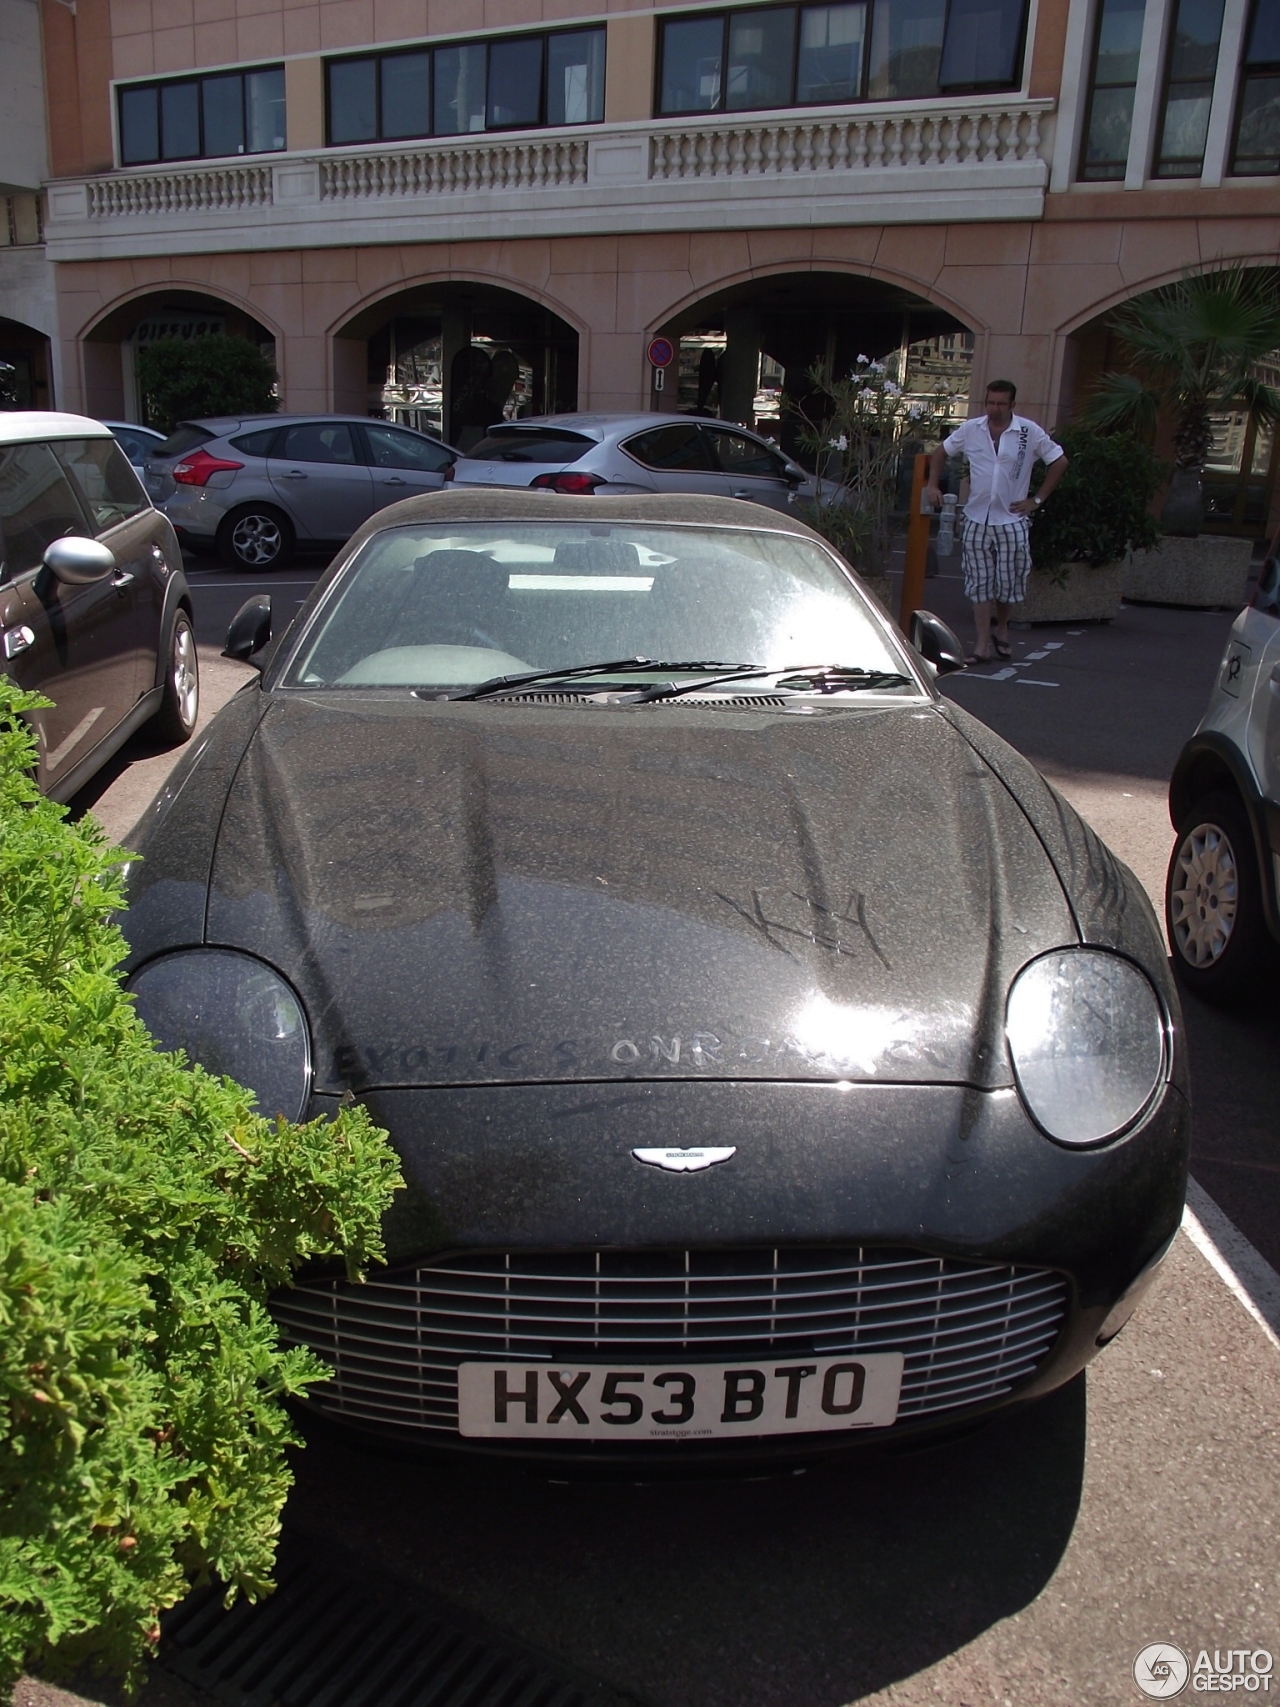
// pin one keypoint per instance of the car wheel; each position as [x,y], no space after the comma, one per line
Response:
[256,537]
[175,721]
[1213,901]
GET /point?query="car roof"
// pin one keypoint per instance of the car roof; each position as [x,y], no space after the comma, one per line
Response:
[17,426]
[606,424]
[133,427]
[519,504]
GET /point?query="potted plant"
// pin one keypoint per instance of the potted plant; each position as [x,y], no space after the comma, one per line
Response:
[1196,348]
[1099,514]
[857,431]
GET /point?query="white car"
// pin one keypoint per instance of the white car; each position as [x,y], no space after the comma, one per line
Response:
[1222,896]
[613,455]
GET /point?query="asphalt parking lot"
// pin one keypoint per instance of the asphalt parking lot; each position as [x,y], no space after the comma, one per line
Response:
[1028,1563]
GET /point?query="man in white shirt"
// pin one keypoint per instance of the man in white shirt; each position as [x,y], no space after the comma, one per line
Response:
[1002,448]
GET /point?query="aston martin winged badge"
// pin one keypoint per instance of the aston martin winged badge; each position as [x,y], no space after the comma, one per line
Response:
[686,1161]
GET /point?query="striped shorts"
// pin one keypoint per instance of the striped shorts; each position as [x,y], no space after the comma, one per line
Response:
[996,560]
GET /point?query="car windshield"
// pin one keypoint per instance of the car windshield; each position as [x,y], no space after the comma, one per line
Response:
[458,604]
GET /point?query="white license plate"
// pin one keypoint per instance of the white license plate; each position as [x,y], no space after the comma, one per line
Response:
[701,1401]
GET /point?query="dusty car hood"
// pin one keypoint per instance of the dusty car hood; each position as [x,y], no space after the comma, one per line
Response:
[480,893]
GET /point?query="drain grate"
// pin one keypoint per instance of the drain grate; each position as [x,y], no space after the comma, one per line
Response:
[322,1641]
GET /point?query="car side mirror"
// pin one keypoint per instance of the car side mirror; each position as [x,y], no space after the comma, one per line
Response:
[78,562]
[795,475]
[936,643]
[250,629]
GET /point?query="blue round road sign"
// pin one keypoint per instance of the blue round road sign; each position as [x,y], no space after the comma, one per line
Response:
[661,352]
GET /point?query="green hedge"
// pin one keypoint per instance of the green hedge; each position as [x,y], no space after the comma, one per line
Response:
[146,1212]
[1101,509]
[191,379]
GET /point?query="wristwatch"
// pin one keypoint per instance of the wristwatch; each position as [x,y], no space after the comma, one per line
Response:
[1037,502]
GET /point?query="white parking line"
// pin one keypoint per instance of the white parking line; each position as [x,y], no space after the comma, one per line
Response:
[1031,682]
[1245,1270]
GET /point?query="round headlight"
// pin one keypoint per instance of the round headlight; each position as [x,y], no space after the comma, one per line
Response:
[233,1015]
[1087,1037]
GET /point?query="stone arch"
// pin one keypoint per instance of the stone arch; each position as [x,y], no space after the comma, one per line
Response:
[747,342]
[454,345]
[106,341]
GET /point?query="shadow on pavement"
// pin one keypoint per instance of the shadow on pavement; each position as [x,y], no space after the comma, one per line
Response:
[804,1591]
[1235,1091]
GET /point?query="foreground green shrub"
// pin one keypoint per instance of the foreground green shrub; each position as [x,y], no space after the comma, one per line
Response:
[186,379]
[1101,510]
[145,1214]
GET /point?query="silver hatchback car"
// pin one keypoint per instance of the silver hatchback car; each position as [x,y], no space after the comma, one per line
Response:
[255,486]
[616,454]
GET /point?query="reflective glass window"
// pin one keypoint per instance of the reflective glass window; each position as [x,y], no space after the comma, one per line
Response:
[575,77]
[1257,141]
[222,111]
[515,83]
[179,121]
[459,89]
[318,441]
[105,478]
[353,100]
[1193,60]
[139,125]
[692,59]
[906,49]
[264,106]
[983,44]
[1105,152]
[390,447]
[202,118]
[677,447]
[761,52]
[37,506]
[832,46]
[406,95]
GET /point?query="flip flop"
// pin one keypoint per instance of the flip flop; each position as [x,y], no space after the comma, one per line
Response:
[978,658]
[1003,649]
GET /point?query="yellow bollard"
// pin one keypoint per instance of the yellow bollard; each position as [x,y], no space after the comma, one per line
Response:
[917,547]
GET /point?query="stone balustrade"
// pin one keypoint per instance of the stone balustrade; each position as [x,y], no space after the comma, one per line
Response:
[984,158]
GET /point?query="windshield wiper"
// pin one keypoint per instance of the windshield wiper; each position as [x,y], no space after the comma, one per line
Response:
[799,678]
[577,672]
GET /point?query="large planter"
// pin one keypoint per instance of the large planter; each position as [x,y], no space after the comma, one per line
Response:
[1085,595]
[1205,573]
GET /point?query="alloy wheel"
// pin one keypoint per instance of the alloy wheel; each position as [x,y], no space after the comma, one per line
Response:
[1204,895]
[257,540]
[185,674]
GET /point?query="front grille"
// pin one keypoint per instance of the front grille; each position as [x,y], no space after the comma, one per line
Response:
[969,1331]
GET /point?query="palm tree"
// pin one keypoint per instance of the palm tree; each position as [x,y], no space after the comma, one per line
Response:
[1196,347]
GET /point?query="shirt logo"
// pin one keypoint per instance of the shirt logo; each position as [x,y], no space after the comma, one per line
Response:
[684,1161]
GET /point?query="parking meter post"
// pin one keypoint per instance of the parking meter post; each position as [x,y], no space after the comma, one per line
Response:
[917,546]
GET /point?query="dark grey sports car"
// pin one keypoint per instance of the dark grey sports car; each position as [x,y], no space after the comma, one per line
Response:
[775,1059]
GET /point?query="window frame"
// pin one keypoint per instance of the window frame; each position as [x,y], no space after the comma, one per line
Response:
[798,9]
[430,49]
[196,79]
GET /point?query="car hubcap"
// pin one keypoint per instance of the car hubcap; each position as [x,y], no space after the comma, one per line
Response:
[186,679]
[256,540]
[1205,895]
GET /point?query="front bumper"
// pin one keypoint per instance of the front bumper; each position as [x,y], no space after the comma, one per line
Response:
[949,1191]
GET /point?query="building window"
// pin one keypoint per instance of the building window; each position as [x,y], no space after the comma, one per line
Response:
[1188,88]
[1257,142]
[508,83]
[1105,154]
[789,56]
[203,118]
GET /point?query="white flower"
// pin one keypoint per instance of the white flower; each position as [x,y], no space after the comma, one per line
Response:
[867,392]
[841,443]
[863,360]
[877,367]
[891,389]
[915,411]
